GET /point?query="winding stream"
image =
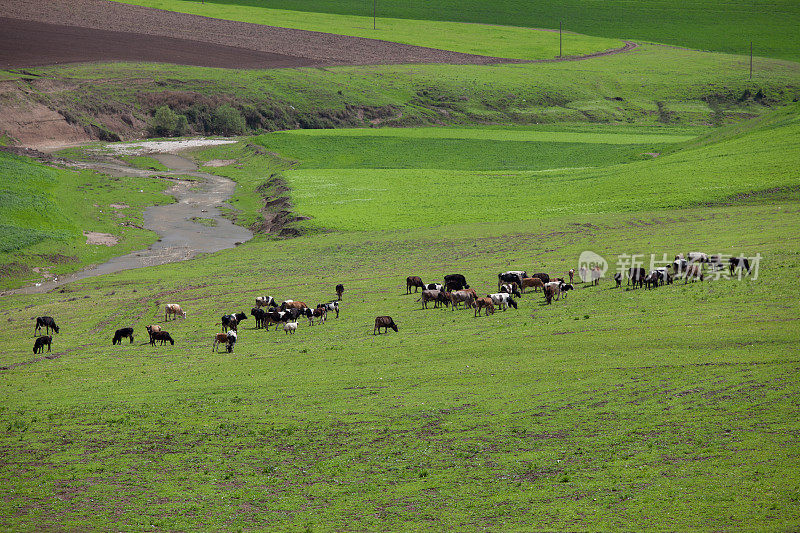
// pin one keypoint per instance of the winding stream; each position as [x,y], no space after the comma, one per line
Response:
[180,237]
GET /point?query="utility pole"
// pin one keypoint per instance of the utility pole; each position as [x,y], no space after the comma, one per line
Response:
[559,38]
[751,60]
[374,12]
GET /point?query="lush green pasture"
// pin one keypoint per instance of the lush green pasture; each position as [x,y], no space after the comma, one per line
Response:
[44,212]
[701,24]
[609,410]
[482,39]
[347,181]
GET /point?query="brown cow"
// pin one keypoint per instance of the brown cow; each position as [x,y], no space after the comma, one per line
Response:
[694,271]
[173,310]
[384,322]
[292,304]
[437,297]
[484,303]
[414,281]
[456,297]
[536,283]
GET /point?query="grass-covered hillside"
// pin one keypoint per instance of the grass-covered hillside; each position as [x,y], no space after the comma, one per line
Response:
[650,85]
[701,24]
[44,212]
[612,409]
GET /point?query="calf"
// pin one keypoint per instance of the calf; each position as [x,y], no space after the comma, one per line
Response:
[290,327]
[434,287]
[413,281]
[565,288]
[45,322]
[339,291]
[120,333]
[618,279]
[162,336]
[173,310]
[385,322]
[571,275]
[41,342]
[484,303]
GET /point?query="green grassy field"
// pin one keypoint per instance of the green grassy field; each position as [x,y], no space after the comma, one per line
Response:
[482,39]
[611,409]
[348,180]
[44,212]
[700,24]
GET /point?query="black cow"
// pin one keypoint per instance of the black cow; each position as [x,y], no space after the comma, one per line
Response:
[414,281]
[232,321]
[455,282]
[513,276]
[339,291]
[636,275]
[260,315]
[162,336]
[120,333]
[542,276]
[45,322]
[618,279]
[735,263]
[384,322]
[41,342]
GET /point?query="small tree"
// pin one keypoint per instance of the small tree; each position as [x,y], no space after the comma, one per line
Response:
[167,123]
[228,121]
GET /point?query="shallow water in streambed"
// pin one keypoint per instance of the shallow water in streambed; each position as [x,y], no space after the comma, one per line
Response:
[191,225]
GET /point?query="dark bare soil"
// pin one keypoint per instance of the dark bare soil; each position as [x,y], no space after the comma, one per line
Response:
[92,30]
[29,44]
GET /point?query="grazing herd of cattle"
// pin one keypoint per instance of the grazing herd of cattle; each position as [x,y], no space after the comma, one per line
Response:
[453,293]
